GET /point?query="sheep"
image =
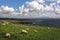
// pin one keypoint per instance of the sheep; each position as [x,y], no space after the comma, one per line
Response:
[3,23]
[27,28]
[7,22]
[24,32]
[35,31]
[8,35]
[48,28]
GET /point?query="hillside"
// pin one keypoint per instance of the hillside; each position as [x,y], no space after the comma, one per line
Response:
[43,32]
[36,21]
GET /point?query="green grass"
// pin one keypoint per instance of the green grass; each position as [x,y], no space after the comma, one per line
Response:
[43,32]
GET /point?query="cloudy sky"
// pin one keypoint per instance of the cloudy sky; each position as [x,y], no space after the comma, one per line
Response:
[30,8]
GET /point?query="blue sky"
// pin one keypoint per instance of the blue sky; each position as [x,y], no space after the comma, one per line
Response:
[30,8]
[17,3]
[13,3]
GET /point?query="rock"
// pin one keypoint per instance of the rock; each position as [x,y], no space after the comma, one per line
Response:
[24,32]
[8,35]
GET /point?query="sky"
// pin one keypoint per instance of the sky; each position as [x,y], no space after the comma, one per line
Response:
[13,3]
[30,8]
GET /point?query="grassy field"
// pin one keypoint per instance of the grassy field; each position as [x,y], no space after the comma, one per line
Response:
[43,32]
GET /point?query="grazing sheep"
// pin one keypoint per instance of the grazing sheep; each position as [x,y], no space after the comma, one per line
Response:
[7,22]
[24,32]
[3,24]
[8,35]
[48,28]
[27,28]
[35,31]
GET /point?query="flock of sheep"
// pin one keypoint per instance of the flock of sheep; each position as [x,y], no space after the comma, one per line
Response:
[23,31]
[8,35]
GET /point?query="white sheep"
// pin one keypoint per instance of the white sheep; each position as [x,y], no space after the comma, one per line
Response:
[24,32]
[27,28]
[48,28]
[7,35]
[7,22]
[3,23]
[35,31]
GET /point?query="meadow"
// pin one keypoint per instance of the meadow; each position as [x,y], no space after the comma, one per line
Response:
[43,32]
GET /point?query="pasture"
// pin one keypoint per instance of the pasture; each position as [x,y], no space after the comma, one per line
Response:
[34,32]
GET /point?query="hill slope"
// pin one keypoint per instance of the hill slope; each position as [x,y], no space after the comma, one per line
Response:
[43,32]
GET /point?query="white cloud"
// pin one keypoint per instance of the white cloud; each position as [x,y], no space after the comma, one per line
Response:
[6,8]
[33,4]
[51,0]
[39,10]
[57,11]
[31,10]
[39,7]
[48,8]
[5,11]
[20,10]
[58,1]
[40,1]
